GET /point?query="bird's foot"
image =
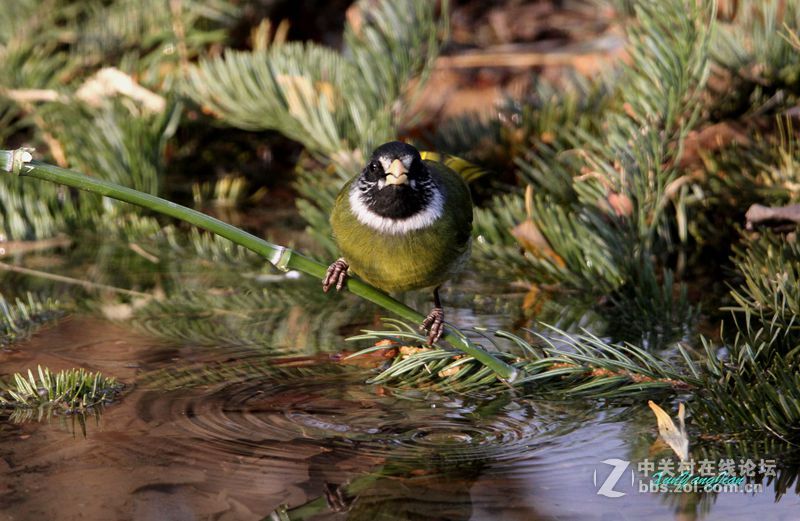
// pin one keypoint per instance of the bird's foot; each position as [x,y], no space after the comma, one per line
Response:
[336,275]
[434,324]
[336,498]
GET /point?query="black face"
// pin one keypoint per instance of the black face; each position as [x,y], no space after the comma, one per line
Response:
[392,200]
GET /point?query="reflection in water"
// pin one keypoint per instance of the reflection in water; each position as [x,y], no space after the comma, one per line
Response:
[73,422]
[210,431]
[419,453]
[374,453]
[234,434]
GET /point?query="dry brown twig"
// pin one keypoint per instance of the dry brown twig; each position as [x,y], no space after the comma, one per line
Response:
[760,214]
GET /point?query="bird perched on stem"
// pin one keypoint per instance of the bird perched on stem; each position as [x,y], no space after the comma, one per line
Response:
[402,223]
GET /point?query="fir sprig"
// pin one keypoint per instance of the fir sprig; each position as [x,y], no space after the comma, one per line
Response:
[332,102]
[605,210]
[21,318]
[555,364]
[71,391]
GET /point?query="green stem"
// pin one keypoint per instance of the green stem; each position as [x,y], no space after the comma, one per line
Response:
[18,162]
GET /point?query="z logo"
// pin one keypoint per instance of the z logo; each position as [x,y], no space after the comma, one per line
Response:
[607,488]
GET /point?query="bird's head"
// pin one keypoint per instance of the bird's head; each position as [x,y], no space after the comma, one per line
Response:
[395,184]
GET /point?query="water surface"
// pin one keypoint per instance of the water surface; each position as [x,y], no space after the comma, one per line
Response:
[243,431]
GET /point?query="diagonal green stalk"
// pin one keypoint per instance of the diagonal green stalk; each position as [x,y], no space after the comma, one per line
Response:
[19,162]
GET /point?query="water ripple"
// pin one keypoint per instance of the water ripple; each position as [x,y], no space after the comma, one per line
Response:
[292,419]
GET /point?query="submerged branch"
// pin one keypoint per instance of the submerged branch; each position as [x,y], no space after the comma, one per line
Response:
[70,280]
[19,162]
[557,364]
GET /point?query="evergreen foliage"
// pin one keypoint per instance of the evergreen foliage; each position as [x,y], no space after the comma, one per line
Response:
[133,140]
[558,364]
[610,198]
[53,54]
[332,102]
[71,391]
[603,216]
[21,318]
[753,45]
[746,390]
[754,387]
[260,318]
[338,104]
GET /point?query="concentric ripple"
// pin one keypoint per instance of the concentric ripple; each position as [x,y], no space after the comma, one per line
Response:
[285,419]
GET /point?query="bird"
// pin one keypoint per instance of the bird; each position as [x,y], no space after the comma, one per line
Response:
[402,223]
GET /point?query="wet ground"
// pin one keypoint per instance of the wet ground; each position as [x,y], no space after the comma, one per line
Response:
[240,430]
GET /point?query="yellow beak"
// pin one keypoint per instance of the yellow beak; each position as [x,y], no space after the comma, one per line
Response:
[396,175]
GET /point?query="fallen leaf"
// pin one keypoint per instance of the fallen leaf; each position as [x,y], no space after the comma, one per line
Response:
[532,241]
[709,139]
[532,300]
[675,437]
[406,351]
[111,81]
[621,204]
[369,360]
[529,237]
[355,18]
[444,373]
[547,137]
[117,312]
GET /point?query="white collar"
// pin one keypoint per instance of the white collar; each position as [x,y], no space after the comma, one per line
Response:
[421,219]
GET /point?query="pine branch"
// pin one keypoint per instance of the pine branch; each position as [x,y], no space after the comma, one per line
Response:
[70,391]
[297,89]
[132,140]
[132,146]
[558,364]
[22,318]
[755,45]
[755,392]
[257,318]
[606,214]
[771,292]
[49,54]
[751,388]
[16,162]
[331,102]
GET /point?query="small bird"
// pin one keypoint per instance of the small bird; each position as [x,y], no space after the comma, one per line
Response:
[403,223]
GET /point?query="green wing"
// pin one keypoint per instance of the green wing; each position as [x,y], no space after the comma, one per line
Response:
[459,200]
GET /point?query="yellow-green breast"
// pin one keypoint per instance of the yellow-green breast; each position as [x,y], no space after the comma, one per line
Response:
[414,259]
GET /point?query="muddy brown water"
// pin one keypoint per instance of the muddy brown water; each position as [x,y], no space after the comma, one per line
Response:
[190,441]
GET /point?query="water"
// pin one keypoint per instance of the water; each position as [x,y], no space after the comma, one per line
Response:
[242,431]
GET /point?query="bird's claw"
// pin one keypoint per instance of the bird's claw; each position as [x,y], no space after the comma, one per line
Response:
[434,324]
[336,275]
[336,498]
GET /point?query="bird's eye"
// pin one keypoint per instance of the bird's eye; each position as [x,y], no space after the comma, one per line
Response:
[374,167]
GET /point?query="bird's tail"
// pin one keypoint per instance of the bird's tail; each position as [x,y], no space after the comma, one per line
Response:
[468,171]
